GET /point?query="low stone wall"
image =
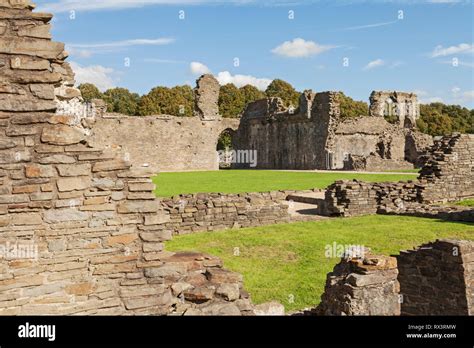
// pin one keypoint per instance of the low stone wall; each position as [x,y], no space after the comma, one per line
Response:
[434,279]
[216,211]
[437,279]
[362,286]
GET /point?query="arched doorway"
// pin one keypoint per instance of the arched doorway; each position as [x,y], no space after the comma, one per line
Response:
[225,148]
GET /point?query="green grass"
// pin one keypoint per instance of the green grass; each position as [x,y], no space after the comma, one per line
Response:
[466,203]
[282,262]
[239,181]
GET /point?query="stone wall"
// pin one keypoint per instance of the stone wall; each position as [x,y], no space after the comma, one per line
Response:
[403,106]
[365,285]
[437,279]
[163,143]
[314,136]
[448,171]
[288,139]
[216,211]
[434,279]
[447,175]
[78,226]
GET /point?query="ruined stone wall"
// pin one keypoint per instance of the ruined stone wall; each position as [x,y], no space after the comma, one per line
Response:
[288,139]
[437,279]
[447,175]
[315,137]
[448,172]
[216,211]
[403,106]
[78,226]
[365,285]
[433,279]
[163,143]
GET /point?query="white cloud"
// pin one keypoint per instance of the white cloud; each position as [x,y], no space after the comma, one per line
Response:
[198,68]
[226,77]
[374,64]
[96,74]
[300,48]
[87,50]
[462,48]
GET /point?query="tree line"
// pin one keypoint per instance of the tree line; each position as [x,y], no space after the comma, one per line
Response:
[436,118]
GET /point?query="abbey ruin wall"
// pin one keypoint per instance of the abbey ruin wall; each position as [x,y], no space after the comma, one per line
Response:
[315,136]
[163,143]
[446,176]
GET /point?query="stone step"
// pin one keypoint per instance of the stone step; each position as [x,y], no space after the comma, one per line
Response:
[307,198]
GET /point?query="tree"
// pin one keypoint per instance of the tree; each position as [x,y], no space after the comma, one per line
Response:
[89,92]
[122,101]
[441,119]
[251,94]
[231,101]
[351,108]
[285,91]
[176,101]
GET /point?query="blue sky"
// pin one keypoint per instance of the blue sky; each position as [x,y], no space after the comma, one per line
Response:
[426,48]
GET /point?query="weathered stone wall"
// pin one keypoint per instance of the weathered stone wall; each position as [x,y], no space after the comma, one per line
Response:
[315,137]
[403,106]
[163,143]
[288,139]
[365,285]
[216,211]
[437,279]
[447,175]
[78,226]
[448,172]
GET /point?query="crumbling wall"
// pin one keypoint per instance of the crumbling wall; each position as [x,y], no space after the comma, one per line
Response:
[163,143]
[362,285]
[403,106]
[446,176]
[78,227]
[433,279]
[437,279]
[289,139]
[216,211]
[315,137]
[448,171]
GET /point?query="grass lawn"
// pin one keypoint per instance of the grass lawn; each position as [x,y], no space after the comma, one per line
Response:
[466,203]
[285,262]
[238,181]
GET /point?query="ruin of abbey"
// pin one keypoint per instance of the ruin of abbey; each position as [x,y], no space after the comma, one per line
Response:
[76,192]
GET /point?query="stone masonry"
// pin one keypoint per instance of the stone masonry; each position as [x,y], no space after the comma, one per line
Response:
[79,232]
[434,279]
[365,285]
[446,176]
[437,279]
[316,136]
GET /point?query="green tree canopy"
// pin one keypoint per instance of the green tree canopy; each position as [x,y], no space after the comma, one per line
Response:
[176,101]
[122,101]
[352,108]
[251,94]
[285,91]
[90,91]
[231,101]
